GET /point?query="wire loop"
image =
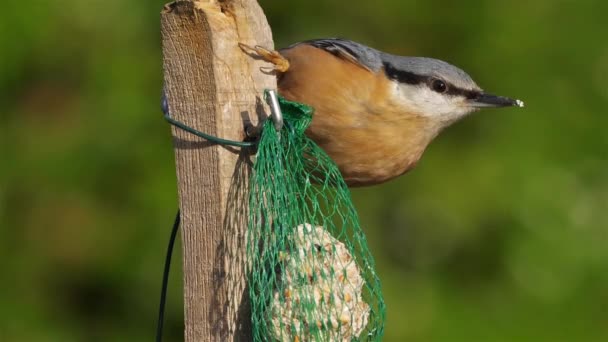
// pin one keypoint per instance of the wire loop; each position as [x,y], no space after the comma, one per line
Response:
[276,116]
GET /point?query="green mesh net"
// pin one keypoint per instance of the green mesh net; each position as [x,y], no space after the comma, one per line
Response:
[311,275]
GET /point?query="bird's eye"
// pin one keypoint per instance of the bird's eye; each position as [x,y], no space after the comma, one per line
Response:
[439,86]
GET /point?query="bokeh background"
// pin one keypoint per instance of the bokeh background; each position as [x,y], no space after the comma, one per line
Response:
[500,233]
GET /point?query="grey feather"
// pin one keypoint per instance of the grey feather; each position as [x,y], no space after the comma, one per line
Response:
[375,60]
[364,55]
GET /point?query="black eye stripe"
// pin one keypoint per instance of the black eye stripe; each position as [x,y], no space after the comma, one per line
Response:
[469,94]
[402,76]
[412,78]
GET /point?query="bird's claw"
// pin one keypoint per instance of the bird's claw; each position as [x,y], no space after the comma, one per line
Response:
[281,64]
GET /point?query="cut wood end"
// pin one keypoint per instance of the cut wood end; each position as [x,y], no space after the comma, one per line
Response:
[208,5]
[179,7]
[168,8]
[184,6]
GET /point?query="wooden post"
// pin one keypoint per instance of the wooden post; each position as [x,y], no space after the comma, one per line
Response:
[213,86]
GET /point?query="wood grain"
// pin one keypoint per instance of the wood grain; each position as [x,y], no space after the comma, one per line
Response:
[213,86]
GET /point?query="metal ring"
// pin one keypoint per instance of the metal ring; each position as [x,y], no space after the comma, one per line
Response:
[275,109]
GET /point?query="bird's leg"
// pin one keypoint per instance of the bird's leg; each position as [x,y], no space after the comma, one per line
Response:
[281,64]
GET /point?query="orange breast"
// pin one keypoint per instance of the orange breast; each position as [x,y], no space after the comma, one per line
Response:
[356,121]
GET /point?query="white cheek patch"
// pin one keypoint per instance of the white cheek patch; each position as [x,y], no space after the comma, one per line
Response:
[423,101]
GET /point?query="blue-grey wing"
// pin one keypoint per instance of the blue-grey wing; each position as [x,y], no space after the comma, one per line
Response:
[349,50]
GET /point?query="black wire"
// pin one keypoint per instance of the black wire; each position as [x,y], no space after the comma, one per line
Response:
[164,105]
[163,291]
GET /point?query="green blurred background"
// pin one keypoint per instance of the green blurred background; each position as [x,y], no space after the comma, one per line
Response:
[500,233]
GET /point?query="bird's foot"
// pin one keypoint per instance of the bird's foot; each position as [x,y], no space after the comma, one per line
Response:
[281,64]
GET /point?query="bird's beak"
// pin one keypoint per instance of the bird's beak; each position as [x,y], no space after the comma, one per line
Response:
[489,100]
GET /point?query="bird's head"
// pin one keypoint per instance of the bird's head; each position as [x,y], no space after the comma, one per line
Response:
[438,90]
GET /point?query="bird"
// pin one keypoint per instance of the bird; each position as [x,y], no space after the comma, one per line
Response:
[375,113]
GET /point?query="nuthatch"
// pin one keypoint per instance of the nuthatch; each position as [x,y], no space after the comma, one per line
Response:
[375,113]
